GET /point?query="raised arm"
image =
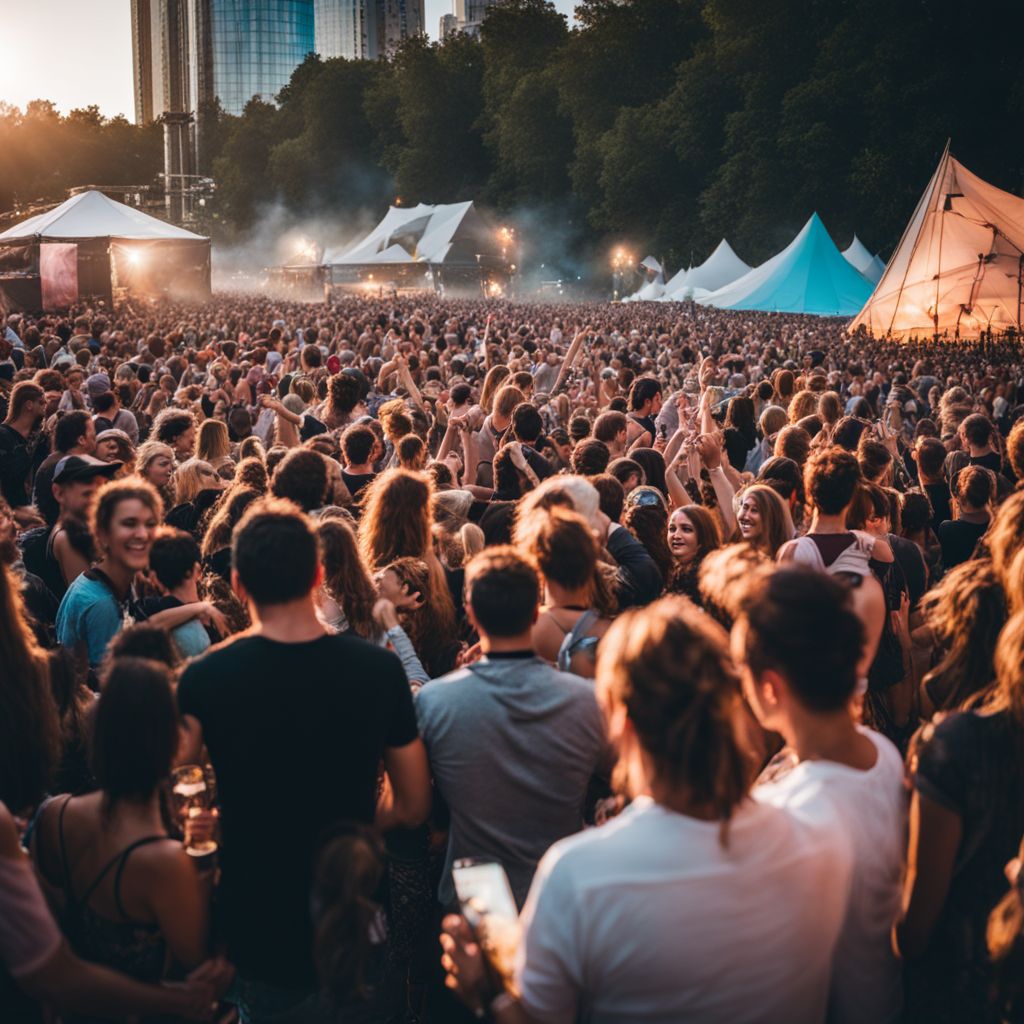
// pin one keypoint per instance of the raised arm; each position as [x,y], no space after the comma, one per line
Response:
[710,448]
[570,358]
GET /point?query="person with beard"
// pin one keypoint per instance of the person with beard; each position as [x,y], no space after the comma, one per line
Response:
[74,434]
[22,448]
[68,550]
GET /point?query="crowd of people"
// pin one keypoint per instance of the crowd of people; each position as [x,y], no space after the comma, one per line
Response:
[706,627]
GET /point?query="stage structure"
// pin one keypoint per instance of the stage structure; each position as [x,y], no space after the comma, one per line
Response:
[447,248]
[91,247]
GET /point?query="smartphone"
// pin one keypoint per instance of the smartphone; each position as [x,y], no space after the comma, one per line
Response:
[483,890]
[490,910]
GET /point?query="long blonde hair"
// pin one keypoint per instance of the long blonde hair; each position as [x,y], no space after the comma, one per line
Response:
[496,376]
[188,479]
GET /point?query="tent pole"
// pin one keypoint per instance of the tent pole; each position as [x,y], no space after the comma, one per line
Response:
[1020,285]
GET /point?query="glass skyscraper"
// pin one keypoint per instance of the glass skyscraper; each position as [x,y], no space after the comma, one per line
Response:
[190,52]
[255,46]
[365,29]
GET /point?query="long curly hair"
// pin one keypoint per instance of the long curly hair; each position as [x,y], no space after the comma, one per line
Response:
[649,524]
[668,666]
[431,626]
[966,612]
[345,577]
[228,512]
[398,509]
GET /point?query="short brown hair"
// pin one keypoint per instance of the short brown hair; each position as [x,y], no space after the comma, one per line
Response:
[503,589]
[609,425]
[274,551]
[831,476]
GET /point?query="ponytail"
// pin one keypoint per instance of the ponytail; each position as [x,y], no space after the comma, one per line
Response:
[668,665]
[348,875]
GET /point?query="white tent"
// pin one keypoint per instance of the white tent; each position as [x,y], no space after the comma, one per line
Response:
[452,233]
[722,267]
[958,268]
[808,276]
[92,246]
[92,215]
[652,290]
[859,256]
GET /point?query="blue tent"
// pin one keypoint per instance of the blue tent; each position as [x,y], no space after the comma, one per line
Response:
[809,276]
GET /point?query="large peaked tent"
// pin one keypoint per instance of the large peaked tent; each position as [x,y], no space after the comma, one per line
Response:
[722,267]
[859,257]
[412,240]
[958,268]
[90,244]
[808,276]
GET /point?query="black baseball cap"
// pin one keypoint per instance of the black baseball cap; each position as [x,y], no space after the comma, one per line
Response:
[74,468]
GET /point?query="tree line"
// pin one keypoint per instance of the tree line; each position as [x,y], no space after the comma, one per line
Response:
[666,124]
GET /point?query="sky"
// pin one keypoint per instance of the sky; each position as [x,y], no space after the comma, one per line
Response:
[79,52]
[73,52]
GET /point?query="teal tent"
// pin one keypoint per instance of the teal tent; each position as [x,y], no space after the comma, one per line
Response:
[809,276]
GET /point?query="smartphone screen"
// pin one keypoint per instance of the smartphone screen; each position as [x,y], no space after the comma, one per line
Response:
[490,909]
[483,889]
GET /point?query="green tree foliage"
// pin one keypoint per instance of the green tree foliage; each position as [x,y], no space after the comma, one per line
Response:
[665,123]
[43,154]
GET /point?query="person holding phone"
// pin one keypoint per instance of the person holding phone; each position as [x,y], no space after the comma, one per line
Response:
[696,903]
[512,741]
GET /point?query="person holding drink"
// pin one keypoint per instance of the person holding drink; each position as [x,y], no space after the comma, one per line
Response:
[126,894]
[296,721]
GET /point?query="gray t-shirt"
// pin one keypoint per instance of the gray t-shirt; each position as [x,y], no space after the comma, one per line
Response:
[512,743]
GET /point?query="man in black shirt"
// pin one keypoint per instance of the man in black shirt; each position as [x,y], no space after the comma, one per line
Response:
[22,447]
[296,721]
[358,445]
[930,455]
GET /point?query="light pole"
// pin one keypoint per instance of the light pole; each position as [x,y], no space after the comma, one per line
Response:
[621,261]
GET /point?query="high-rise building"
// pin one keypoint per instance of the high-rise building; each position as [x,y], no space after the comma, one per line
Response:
[346,28]
[187,53]
[365,29]
[398,20]
[468,16]
[255,47]
[160,49]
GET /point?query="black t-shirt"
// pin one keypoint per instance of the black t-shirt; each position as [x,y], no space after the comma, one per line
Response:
[355,482]
[19,456]
[311,427]
[969,764]
[942,510]
[959,538]
[295,733]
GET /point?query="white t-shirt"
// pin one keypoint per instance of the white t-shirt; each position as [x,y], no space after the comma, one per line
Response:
[649,918]
[872,805]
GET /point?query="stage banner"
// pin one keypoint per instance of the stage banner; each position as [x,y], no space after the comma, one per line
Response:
[58,272]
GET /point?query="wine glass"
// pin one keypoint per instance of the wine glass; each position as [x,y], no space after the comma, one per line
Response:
[192,798]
